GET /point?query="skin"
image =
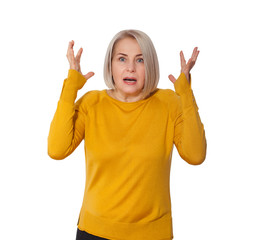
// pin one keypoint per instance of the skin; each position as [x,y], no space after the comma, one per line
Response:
[128,65]
[75,61]
[127,62]
[186,67]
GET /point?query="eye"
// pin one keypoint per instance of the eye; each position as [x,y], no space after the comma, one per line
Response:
[121,59]
[140,60]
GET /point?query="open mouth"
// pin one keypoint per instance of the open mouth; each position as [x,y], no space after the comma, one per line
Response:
[130,80]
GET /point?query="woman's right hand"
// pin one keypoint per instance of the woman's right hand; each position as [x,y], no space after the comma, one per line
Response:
[75,61]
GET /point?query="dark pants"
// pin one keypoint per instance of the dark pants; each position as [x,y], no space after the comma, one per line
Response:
[82,235]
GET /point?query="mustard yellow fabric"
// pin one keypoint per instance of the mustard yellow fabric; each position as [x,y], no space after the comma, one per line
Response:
[128,152]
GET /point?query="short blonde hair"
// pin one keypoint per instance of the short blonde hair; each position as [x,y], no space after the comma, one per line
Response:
[149,55]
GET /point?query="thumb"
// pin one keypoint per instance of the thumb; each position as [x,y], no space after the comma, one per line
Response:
[89,75]
[172,78]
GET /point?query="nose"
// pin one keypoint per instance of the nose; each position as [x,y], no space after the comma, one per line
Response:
[131,67]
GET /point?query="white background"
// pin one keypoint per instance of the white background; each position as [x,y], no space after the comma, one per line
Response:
[41,198]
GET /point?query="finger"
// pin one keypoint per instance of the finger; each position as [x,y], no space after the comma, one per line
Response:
[89,75]
[195,53]
[183,61]
[182,57]
[70,51]
[190,64]
[193,59]
[172,78]
[70,55]
[71,44]
[79,54]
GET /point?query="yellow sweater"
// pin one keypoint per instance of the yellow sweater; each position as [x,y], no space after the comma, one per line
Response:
[128,152]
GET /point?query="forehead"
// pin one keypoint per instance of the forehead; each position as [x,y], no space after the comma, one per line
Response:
[127,45]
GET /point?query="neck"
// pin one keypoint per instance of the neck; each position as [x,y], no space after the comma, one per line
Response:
[124,97]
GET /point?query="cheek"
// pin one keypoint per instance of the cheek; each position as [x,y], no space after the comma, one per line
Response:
[142,73]
[116,70]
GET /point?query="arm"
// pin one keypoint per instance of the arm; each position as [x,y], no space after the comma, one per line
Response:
[68,124]
[189,133]
[67,127]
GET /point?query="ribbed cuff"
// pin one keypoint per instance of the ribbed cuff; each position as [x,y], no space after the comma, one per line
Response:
[182,85]
[71,85]
[183,89]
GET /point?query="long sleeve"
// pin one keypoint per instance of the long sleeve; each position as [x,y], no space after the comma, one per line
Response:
[67,127]
[189,133]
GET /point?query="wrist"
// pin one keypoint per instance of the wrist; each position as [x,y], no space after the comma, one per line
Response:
[74,67]
[187,75]
[182,85]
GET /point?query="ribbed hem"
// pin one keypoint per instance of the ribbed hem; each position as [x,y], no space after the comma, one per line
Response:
[160,229]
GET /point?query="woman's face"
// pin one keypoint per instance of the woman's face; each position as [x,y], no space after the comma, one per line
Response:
[128,68]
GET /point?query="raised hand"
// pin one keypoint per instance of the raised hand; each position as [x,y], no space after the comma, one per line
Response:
[186,67]
[75,61]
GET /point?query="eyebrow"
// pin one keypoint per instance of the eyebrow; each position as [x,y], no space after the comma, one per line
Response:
[126,54]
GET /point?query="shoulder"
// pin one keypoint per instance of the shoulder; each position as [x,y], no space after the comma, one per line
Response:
[171,100]
[167,95]
[89,99]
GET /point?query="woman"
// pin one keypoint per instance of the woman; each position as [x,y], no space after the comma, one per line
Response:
[129,132]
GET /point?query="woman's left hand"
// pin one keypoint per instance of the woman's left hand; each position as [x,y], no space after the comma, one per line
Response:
[186,67]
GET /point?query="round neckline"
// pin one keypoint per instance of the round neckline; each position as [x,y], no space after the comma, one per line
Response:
[129,103]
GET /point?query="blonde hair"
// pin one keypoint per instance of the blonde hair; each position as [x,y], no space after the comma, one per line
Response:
[149,55]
